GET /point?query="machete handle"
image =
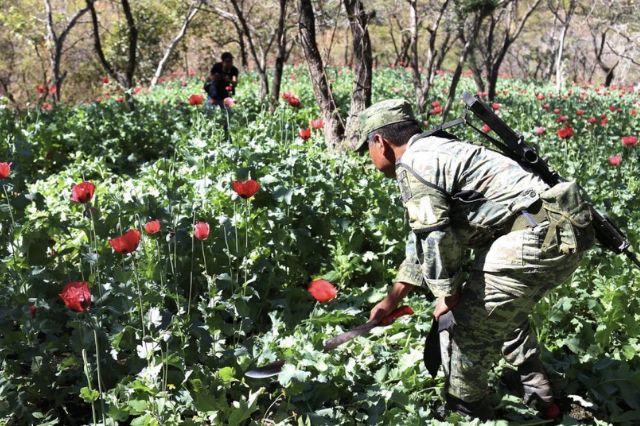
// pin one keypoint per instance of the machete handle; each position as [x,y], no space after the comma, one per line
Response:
[402,310]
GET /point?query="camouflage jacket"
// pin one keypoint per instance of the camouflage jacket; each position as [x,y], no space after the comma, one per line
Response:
[457,195]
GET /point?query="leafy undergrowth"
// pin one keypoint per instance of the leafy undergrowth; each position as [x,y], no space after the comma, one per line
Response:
[178,321]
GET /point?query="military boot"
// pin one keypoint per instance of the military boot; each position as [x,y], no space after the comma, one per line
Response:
[481,409]
[531,383]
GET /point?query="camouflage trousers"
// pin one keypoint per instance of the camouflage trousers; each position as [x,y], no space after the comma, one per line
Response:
[507,279]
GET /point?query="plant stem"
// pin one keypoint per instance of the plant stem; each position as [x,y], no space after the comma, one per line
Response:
[246,242]
[95,248]
[204,259]
[191,269]
[13,225]
[226,243]
[135,275]
[95,338]
[88,376]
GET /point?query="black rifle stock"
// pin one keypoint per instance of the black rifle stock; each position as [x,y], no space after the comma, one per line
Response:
[514,146]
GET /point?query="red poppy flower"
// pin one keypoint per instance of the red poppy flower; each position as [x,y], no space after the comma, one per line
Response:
[76,296]
[591,120]
[247,188]
[565,132]
[562,119]
[294,101]
[436,110]
[152,227]
[287,95]
[435,103]
[201,231]
[604,121]
[137,90]
[551,412]
[322,290]
[32,310]
[53,90]
[540,97]
[229,102]
[41,89]
[612,108]
[546,106]
[556,110]
[633,111]
[105,79]
[126,243]
[496,106]
[120,100]
[46,106]
[539,130]
[486,128]
[5,170]
[579,112]
[304,133]
[317,124]
[82,192]
[615,160]
[629,140]
[195,99]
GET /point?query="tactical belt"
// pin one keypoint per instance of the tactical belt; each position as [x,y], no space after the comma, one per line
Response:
[530,217]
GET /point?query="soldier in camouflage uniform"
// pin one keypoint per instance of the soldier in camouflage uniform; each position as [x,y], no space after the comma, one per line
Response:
[461,196]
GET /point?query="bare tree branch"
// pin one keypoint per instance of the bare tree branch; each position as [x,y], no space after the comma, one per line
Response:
[191,13]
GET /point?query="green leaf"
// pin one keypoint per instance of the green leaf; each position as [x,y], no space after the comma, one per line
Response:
[227,374]
[290,372]
[89,396]
[138,406]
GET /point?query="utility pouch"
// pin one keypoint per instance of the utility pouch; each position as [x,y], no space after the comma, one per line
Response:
[570,219]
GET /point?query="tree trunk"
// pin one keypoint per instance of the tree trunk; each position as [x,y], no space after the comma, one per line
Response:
[133,44]
[558,65]
[413,49]
[476,72]
[243,50]
[281,40]
[363,62]
[57,43]
[559,56]
[494,59]
[610,75]
[468,40]
[126,80]
[494,72]
[191,13]
[333,127]
[434,60]
[260,62]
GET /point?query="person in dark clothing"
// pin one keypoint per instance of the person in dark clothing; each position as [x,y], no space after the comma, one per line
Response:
[222,80]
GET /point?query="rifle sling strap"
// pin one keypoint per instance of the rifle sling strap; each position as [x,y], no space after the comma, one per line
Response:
[443,126]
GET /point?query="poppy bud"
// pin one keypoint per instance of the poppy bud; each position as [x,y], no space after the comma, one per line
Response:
[201,231]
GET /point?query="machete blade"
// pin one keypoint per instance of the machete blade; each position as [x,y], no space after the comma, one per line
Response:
[348,335]
[269,370]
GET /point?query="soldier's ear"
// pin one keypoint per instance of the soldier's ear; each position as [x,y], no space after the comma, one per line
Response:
[386,143]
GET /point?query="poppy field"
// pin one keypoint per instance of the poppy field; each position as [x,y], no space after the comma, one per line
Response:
[149,258]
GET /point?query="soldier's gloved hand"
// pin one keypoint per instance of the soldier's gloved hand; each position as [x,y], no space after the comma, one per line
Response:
[445,304]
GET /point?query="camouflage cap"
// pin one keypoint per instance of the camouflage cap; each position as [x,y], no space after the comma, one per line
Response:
[381,114]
